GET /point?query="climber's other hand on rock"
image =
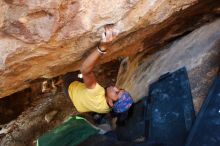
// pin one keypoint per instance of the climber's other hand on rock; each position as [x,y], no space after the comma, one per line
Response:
[107,37]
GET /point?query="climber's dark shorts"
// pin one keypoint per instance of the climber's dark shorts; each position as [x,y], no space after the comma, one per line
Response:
[67,80]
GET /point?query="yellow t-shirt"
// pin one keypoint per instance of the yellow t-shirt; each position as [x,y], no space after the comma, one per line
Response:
[87,100]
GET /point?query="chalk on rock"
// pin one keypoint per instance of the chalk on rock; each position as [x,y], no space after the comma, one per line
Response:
[3,131]
[49,116]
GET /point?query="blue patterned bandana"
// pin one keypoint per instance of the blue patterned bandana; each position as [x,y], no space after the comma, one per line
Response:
[123,103]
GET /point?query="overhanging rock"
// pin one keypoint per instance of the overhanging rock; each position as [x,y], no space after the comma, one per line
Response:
[48,38]
[199,51]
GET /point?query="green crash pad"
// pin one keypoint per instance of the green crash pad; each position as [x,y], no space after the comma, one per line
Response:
[70,133]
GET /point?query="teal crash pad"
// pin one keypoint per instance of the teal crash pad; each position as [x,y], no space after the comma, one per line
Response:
[70,133]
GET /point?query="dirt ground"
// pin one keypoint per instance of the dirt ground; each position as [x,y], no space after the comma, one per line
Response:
[22,118]
[31,123]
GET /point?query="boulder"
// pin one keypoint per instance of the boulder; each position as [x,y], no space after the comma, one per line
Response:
[47,38]
[199,51]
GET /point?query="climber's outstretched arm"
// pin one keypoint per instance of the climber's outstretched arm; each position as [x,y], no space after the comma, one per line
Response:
[87,69]
[90,62]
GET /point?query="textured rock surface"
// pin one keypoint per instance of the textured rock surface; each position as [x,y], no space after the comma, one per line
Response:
[31,124]
[46,38]
[199,51]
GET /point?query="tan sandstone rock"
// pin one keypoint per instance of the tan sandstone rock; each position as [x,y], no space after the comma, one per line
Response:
[47,38]
[199,51]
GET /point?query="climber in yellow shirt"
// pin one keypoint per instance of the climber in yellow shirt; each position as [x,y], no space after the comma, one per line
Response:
[89,96]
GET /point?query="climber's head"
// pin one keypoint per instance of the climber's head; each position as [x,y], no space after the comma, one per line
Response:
[119,99]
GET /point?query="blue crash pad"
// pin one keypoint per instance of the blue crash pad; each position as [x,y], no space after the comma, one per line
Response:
[206,130]
[171,109]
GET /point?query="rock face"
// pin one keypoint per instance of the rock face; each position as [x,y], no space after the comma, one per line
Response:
[46,38]
[199,51]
